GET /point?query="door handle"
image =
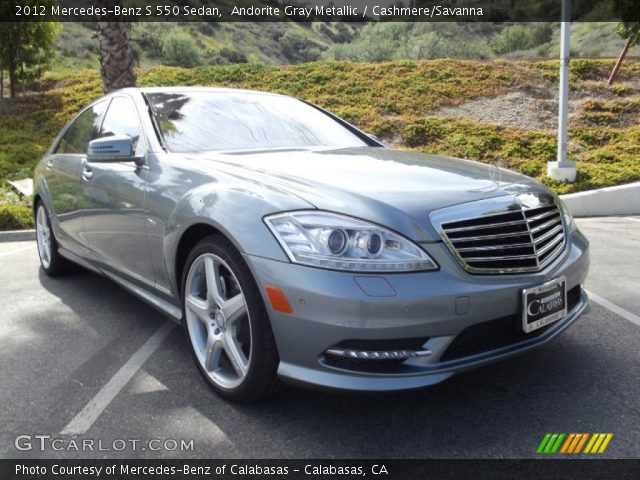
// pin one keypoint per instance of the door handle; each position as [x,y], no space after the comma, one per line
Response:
[86,173]
[50,164]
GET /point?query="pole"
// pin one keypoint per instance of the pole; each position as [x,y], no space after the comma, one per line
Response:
[563,169]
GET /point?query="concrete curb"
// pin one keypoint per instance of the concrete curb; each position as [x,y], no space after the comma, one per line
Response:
[17,235]
[605,202]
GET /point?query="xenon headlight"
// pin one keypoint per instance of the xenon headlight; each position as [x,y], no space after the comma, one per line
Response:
[337,242]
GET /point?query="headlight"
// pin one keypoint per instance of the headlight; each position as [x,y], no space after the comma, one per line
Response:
[337,242]
[570,225]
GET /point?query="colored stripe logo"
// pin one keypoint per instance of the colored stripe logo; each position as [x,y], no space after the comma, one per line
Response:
[574,443]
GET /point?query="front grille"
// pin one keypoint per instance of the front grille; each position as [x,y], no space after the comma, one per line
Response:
[498,333]
[523,240]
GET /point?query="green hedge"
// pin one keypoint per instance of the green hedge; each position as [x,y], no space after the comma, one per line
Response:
[15,217]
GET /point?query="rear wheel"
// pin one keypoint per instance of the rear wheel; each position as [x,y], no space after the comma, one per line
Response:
[52,262]
[227,323]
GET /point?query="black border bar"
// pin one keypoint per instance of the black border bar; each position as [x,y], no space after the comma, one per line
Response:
[317,10]
[579,469]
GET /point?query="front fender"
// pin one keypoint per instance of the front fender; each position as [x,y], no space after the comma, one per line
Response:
[235,211]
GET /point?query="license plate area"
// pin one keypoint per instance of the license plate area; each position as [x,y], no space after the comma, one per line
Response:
[544,304]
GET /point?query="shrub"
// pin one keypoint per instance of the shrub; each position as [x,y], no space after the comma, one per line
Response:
[233,56]
[297,48]
[15,217]
[179,49]
[395,100]
[511,38]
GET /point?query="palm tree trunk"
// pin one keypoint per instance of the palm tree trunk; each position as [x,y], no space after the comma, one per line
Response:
[12,80]
[116,59]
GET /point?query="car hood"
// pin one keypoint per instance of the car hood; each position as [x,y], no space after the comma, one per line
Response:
[394,188]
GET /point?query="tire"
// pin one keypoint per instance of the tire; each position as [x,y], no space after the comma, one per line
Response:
[226,323]
[52,262]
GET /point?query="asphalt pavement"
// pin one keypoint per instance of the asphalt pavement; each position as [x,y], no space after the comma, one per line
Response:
[80,349]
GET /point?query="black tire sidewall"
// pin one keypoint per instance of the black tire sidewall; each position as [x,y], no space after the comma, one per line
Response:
[58,265]
[263,363]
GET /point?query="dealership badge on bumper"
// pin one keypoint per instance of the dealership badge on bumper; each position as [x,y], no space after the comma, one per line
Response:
[544,304]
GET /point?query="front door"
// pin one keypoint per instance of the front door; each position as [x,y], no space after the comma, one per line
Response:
[64,178]
[116,226]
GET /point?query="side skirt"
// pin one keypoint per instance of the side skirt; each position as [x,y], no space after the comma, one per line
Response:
[171,311]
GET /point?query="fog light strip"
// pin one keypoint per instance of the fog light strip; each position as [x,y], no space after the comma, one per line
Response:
[379,354]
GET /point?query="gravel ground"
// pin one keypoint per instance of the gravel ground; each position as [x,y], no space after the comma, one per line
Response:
[515,109]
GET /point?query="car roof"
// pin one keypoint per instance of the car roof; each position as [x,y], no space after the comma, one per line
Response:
[145,90]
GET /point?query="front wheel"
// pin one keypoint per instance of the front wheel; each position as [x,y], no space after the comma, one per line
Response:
[227,323]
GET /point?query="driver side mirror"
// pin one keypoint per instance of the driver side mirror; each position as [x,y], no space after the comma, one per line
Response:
[116,148]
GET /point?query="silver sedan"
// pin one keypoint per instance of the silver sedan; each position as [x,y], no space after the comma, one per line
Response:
[294,247]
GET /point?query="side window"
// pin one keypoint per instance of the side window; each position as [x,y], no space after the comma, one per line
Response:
[122,119]
[85,128]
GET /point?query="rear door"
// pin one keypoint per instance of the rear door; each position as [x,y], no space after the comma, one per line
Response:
[65,168]
[116,225]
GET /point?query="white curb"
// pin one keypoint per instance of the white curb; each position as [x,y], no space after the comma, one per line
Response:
[17,235]
[603,202]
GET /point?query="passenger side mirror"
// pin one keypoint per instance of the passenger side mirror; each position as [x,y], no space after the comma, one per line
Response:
[115,148]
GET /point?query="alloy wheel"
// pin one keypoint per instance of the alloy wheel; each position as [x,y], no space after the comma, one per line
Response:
[43,236]
[218,321]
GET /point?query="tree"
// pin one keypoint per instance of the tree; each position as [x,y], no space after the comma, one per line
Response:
[626,10]
[116,57]
[25,50]
[629,27]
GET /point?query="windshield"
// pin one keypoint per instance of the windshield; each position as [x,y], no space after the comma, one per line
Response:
[204,121]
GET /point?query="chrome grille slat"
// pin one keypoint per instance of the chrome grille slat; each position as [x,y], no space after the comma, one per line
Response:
[549,245]
[495,247]
[552,256]
[548,235]
[542,215]
[490,225]
[489,237]
[510,241]
[545,225]
[493,259]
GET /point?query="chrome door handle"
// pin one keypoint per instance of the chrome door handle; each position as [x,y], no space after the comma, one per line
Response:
[50,164]
[87,173]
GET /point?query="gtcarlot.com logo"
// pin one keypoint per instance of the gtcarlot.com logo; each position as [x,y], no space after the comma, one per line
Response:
[574,443]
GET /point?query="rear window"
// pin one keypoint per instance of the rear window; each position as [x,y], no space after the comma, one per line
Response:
[205,121]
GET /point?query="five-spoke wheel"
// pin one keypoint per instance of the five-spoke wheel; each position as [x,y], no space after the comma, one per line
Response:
[43,236]
[227,324]
[218,320]
[52,262]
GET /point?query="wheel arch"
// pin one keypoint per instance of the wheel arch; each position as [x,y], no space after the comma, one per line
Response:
[188,240]
[37,198]
[231,210]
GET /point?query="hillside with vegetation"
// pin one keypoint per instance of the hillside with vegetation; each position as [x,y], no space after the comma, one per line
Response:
[206,44]
[498,112]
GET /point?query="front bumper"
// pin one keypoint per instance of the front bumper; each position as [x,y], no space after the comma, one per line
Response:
[331,308]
